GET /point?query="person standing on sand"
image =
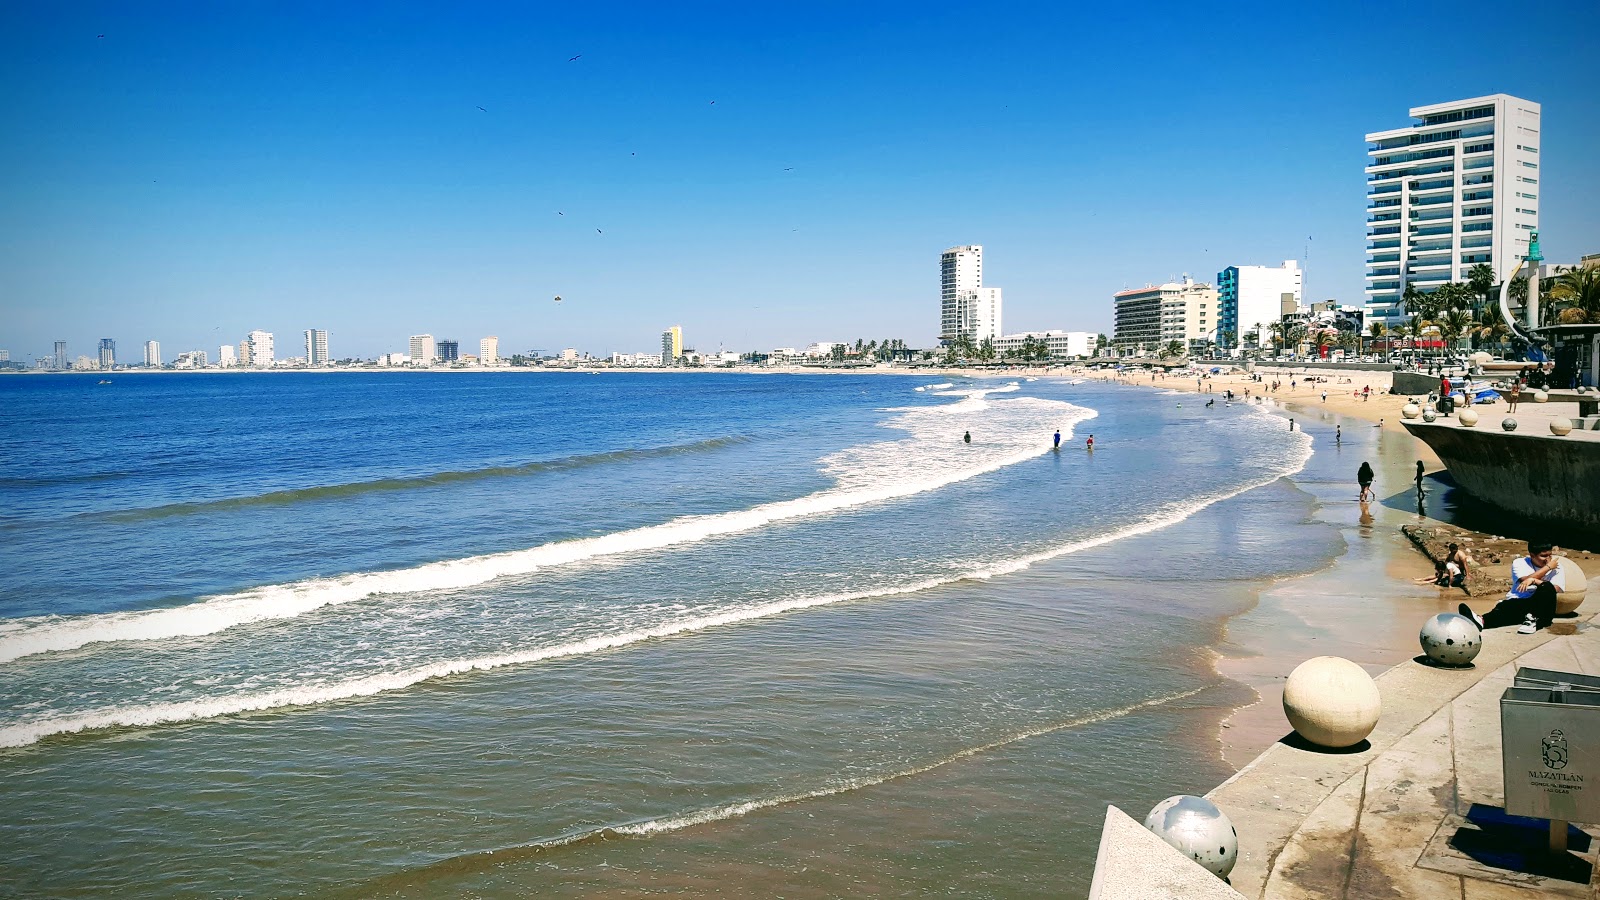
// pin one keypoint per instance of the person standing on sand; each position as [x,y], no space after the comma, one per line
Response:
[1513,396]
[1536,579]
[1364,477]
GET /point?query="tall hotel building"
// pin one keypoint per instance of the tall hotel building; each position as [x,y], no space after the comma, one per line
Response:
[1252,298]
[422,349]
[1457,188]
[965,305]
[672,345]
[152,353]
[256,350]
[489,351]
[108,353]
[316,347]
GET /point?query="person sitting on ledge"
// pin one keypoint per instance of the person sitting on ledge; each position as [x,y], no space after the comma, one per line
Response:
[1536,579]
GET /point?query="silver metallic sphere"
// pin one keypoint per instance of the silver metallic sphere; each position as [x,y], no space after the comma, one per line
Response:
[1199,830]
[1428,415]
[1508,423]
[1451,639]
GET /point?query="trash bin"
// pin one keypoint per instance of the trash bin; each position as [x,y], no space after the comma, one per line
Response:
[1447,406]
[1550,747]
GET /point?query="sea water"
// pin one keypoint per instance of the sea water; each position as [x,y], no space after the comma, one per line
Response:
[507,633]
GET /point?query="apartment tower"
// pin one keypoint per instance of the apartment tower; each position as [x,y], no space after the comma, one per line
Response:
[966,307]
[152,353]
[422,349]
[672,345]
[316,347]
[108,353]
[489,351]
[1458,187]
[1253,297]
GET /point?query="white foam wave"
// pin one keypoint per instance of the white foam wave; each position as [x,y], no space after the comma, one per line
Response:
[29,732]
[931,459]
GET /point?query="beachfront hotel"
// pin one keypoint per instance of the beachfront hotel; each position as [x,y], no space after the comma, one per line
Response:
[316,347]
[672,345]
[1458,187]
[966,307]
[108,353]
[1152,317]
[489,351]
[152,353]
[1252,298]
[422,349]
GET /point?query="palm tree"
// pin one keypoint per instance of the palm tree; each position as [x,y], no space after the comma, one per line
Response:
[1278,334]
[1577,292]
[1173,348]
[1378,330]
[1453,325]
[1294,335]
[1493,328]
[1481,279]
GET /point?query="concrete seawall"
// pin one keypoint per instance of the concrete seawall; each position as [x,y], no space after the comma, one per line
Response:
[1533,475]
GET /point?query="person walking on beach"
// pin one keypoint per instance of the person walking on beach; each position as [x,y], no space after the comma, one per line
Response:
[1364,477]
[1536,579]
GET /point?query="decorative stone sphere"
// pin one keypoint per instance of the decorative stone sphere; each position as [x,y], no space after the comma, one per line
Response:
[1577,584]
[1508,423]
[1198,829]
[1429,415]
[1541,396]
[1467,416]
[1331,702]
[1410,411]
[1451,639]
[1560,427]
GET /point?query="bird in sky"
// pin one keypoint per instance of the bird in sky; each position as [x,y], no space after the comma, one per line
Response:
[789,169]
[560,213]
[575,58]
[100,37]
[598,231]
[558,298]
[485,110]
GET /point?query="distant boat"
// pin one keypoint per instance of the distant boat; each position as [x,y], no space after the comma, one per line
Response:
[105,381]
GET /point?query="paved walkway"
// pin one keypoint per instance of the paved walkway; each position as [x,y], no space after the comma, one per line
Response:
[1418,813]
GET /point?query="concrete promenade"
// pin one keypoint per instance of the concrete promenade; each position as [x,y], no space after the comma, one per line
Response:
[1418,811]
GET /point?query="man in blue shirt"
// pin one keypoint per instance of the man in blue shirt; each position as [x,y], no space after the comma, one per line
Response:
[1536,579]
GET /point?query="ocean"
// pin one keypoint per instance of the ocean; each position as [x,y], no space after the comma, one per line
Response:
[501,634]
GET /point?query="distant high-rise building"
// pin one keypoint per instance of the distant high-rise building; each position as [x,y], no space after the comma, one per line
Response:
[966,307]
[61,355]
[316,347]
[152,353]
[1252,298]
[489,351]
[84,364]
[1458,187]
[108,353]
[672,345]
[448,350]
[421,349]
[256,350]
[225,357]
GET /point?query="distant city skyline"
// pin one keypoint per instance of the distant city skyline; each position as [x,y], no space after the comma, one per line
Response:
[784,179]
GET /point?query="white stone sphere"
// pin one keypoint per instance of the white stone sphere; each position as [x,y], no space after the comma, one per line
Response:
[1508,423]
[1451,639]
[1410,411]
[1560,427]
[1199,830]
[1467,416]
[1429,415]
[1331,702]
[1541,396]
[1577,585]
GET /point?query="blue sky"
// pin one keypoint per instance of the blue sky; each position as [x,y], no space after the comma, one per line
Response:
[763,174]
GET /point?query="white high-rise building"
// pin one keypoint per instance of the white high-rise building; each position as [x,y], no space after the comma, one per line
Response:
[1458,187]
[422,349]
[966,307]
[256,350]
[225,357]
[316,347]
[152,353]
[489,351]
[1252,298]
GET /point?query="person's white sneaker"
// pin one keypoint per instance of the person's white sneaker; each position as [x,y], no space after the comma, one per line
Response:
[1529,625]
[1466,610]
